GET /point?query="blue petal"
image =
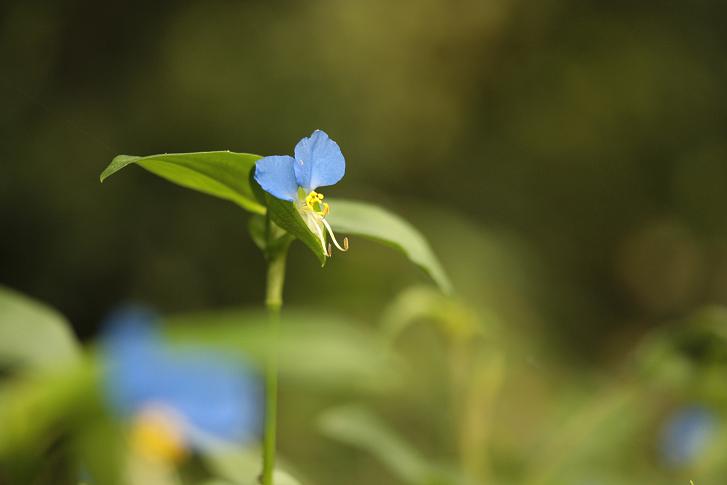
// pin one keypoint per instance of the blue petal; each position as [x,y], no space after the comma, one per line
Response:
[130,346]
[276,176]
[318,161]
[216,394]
[687,434]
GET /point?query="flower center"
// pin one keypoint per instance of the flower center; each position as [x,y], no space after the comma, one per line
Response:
[157,434]
[314,201]
[314,212]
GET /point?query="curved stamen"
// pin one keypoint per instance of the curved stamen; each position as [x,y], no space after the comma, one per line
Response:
[333,237]
[322,238]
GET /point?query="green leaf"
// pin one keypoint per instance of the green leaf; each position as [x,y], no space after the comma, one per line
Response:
[268,236]
[314,349]
[373,222]
[101,447]
[233,463]
[34,335]
[284,214]
[281,477]
[357,426]
[256,229]
[452,316]
[221,174]
[35,408]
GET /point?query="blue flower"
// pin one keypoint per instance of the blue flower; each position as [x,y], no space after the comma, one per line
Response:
[686,435]
[176,399]
[318,162]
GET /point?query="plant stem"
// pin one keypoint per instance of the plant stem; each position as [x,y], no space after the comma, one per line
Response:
[273,303]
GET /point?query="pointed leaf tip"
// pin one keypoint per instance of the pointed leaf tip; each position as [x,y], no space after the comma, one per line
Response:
[222,174]
[119,162]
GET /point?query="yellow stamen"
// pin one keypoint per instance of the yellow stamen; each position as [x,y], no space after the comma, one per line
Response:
[157,435]
[314,202]
[343,248]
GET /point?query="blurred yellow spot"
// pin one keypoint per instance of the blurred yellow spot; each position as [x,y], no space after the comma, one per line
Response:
[157,435]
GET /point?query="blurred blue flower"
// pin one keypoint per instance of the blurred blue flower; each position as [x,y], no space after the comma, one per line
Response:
[192,395]
[686,435]
[318,162]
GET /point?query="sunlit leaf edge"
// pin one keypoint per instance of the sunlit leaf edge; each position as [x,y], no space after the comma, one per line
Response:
[244,200]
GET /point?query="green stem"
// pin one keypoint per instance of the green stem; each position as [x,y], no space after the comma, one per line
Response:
[273,302]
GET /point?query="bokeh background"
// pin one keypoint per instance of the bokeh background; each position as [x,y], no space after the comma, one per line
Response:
[567,159]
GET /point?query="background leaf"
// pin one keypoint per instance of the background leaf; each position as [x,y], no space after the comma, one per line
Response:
[318,350]
[35,410]
[221,174]
[241,465]
[378,224]
[357,426]
[284,478]
[451,315]
[34,335]
[235,464]
[256,229]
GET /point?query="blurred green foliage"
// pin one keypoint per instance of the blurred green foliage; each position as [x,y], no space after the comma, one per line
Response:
[586,137]
[429,397]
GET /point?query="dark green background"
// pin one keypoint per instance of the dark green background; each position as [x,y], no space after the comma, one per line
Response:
[566,158]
